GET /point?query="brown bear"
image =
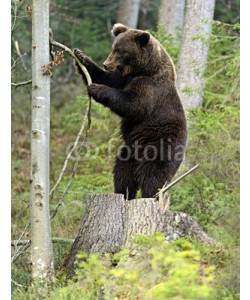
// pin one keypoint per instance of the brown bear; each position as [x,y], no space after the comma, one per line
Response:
[138,84]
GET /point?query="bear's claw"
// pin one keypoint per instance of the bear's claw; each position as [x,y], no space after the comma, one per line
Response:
[78,53]
[84,59]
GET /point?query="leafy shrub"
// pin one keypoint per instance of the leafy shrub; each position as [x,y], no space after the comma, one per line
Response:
[214,143]
[150,269]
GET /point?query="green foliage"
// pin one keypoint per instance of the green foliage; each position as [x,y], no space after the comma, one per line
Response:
[85,25]
[168,42]
[222,79]
[212,191]
[227,11]
[150,269]
[21,274]
[211,194]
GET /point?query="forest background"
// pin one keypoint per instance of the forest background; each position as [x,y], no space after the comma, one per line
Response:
[211,195]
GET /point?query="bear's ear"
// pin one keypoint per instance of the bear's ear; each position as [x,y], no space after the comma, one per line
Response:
[142,38]
[118,28]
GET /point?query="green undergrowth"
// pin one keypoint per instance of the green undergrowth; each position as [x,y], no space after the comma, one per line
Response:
[150,268]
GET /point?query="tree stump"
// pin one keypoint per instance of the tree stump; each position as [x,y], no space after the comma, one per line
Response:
[110,221]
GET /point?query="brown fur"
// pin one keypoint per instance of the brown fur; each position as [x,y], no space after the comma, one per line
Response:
[138,84]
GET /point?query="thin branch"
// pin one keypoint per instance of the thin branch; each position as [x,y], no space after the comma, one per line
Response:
[21,83]
[166,188]
[26,245]
[54,240]
[71,53]
[216,73]
[62,240]
[15,243]
[60,202]
[69,156]
[18,253]
[220,59]
[218,37]
[20,55]
[15,283]
[24,231]
[86,117]
[15,15]
[15,62]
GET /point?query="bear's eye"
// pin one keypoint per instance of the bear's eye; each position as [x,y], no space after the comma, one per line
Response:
[121,52]
[118,51]
[125,54]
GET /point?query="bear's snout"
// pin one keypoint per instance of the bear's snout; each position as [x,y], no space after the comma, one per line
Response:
[109,66]
[105,66]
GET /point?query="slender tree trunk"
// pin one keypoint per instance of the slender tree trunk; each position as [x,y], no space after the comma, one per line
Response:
[41,245]
[171,16]
[128,12]
[194,51]
[110,221]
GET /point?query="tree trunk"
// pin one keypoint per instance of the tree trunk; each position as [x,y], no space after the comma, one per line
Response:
[194,51]
[41,245]
[110,220]
[128,12]
[171,16]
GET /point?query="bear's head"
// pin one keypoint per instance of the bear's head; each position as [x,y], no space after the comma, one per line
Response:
[137,52]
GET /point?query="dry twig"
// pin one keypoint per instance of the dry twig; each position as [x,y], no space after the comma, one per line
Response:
[60,202]
[54,240]
[87,118]
[71,53]
[168,187]
[21,83]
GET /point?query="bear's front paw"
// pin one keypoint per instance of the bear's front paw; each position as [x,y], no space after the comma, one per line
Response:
[99,92]
[84,59]
[94,90]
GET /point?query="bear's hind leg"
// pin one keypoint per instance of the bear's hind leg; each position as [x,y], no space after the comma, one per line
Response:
[152,176]
[151,187]
[124,179]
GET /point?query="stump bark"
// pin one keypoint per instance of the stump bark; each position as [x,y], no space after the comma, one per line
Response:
[110,221]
